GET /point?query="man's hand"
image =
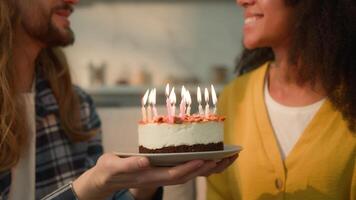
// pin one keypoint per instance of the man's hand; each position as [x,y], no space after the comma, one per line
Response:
[112,174]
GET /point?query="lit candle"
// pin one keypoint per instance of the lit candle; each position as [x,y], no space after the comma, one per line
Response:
[182,92]
[152,100]
[206,95]
[149,109]
[168,103]
[189,102]
[214,98]
[143,109]
[173,100]
[167,90]
[201,112]
[182,106]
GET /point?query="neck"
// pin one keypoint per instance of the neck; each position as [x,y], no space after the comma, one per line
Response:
[25,52]
[281,66]
[283,85]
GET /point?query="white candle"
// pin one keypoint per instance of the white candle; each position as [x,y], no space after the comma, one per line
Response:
[173,100]
[206,95]
[153,103]
[199,99]
[182,106]
[214,98]
[168,103]
[189,102]
[149,109]
[143,109]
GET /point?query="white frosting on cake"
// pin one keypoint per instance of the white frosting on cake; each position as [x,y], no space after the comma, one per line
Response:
[159,135]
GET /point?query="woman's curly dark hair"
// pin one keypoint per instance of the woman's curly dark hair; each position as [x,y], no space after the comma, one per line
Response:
[324,43]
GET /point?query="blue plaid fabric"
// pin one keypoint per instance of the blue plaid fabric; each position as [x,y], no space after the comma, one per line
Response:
[58,160]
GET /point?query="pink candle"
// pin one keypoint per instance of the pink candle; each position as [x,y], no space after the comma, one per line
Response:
[199,99]
[149,113]
[168,102]
[150,106]
[182,106]
[143,109]
[206,94]
[172,99]
[168,106]
[153,103]
[189,102]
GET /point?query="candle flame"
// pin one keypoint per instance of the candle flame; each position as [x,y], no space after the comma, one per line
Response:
[199,95]
[172,97]
[183,91]
[188,98]
[206,94]
[152,97]
[167,90]
[145,97]
[213,95]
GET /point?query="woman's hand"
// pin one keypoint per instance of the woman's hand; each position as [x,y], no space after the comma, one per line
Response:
[112,174]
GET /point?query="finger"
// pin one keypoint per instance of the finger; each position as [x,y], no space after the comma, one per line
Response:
[222,165]
[185,169]
[219,166]
[206,168]
[225,163]
[234,157]
[129,165]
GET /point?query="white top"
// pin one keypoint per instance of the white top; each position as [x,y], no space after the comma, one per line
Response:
[287,122]
[23,174]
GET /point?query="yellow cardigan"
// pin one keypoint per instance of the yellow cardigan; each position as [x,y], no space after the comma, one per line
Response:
[321,166]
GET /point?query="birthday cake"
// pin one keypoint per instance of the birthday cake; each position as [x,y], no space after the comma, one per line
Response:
[183,133]
[189,134]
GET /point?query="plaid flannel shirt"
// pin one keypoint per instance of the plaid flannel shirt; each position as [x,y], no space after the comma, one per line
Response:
[58,160]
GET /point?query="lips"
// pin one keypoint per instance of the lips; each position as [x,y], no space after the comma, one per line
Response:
[63,12]
[251,18]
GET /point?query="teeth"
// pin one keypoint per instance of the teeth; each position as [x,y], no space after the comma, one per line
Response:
[250,20]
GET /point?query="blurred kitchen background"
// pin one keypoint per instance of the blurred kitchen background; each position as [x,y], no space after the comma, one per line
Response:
[125,46]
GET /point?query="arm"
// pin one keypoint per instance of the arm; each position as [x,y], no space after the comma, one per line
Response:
[92,123]
[91,149]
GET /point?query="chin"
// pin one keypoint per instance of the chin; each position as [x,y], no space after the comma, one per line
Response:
[62,38]
[252,43]
[67,37]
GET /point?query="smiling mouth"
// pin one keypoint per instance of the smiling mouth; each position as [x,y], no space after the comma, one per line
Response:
[252,19]
[64,12]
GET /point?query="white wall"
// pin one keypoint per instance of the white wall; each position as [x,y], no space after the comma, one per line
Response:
[181,39]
